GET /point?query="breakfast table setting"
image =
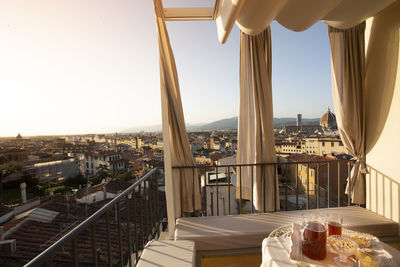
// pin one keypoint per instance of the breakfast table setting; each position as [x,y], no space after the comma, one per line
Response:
[320,240]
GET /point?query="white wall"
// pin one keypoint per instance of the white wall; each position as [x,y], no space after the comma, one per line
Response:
[223,200]
[97,196]
[383,112]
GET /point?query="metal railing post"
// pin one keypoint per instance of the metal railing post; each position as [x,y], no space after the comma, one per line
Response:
[128,228]
[94,249]
[308,187]
[193,201]
[317,177]
[297,186]
[229,190]
[276,194]
[212,203]
[147,204]
[338,184]
[216,179]
[329,187]
[141,215]
[348,177]
[75,261]
[121,258]
[286,187]
[252,190]
[108,239]
[240,190]
[151,206]
[205,191]
[135,225]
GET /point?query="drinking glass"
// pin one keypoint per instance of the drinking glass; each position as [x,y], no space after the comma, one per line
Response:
[335,222]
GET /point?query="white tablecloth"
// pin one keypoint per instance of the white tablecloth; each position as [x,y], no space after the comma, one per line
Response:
[279,246]
[276,250]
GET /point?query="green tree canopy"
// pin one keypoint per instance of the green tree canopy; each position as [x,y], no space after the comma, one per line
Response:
[6,169]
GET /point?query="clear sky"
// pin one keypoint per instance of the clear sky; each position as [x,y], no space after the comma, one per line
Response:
[73,66]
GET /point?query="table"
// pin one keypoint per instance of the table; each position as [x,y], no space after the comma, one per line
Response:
[180,253]
[276,249]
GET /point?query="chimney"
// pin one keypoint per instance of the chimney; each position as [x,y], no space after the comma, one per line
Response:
[23,192]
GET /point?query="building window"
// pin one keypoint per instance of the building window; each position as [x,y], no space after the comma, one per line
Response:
[332,144]
[323,143]
[91,165]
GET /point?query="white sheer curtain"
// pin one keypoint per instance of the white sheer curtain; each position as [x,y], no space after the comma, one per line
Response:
[185,184]
[256,128]
[348,85]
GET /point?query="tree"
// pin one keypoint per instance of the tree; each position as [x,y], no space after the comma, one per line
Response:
[75,181]
[102,173]
[6,169]
[3,159]
[126,175]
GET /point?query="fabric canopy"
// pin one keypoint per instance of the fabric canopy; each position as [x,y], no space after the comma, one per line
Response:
[254,16]
[348,85]
[298,15]
[256,130]
[177,153]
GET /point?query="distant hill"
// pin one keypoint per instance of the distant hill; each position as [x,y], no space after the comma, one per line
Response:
[224,124]
[232,123]
[280,122]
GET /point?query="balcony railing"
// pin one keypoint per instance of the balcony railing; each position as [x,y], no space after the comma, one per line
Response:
[302,185]
[116,233]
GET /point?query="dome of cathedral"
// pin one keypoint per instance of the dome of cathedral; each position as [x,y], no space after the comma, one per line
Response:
[328,120]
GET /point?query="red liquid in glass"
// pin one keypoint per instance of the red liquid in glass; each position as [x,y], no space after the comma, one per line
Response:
[314,241]
[335,228]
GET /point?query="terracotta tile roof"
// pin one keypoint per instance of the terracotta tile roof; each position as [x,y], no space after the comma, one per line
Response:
[103,153]
[304,157]
[7,226]
[117,185]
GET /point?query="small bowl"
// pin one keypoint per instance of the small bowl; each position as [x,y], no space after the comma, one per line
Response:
[342,245]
